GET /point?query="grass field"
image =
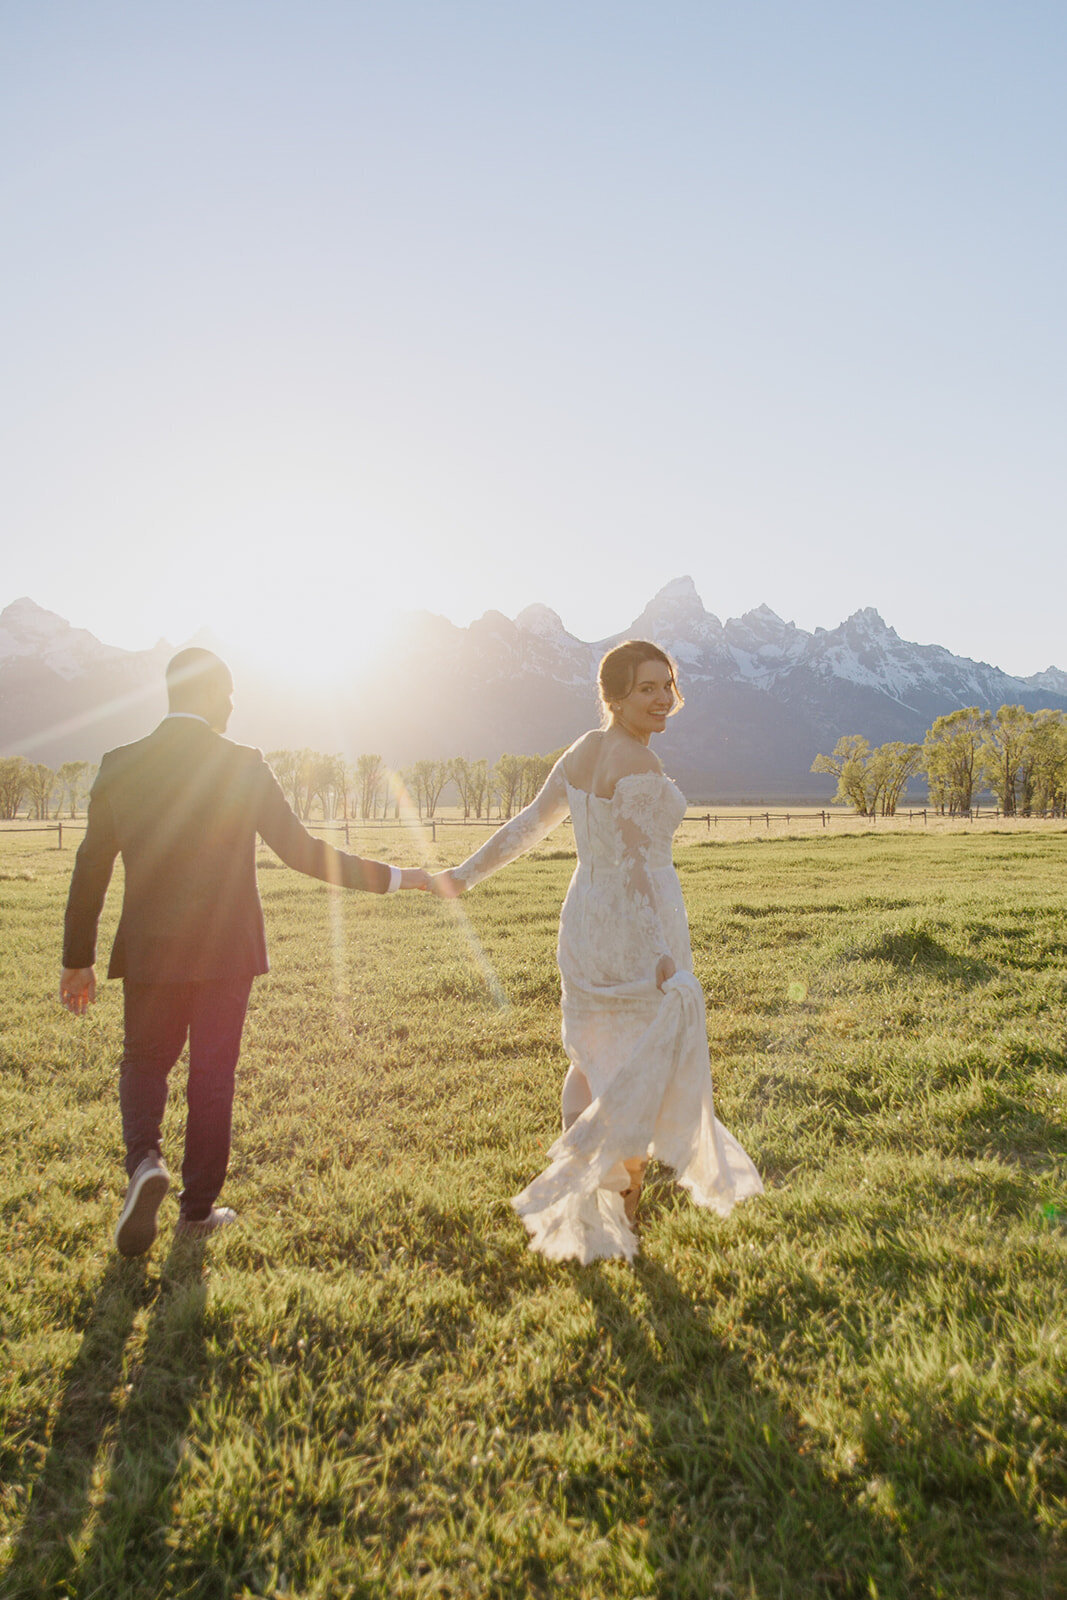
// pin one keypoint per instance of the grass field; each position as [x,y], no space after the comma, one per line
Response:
[854,1386]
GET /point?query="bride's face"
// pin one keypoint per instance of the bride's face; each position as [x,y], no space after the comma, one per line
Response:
[650,702]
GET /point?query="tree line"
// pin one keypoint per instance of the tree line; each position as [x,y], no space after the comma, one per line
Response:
[44,793]
[1019,756]
[367,788]
[328,785]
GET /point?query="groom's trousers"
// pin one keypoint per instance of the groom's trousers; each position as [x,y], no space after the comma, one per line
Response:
[159,1017]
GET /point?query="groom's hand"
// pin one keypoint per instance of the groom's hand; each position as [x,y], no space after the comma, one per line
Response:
[77,988]
[415,878]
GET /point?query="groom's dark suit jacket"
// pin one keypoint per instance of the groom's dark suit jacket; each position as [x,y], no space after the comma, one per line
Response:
[183,808]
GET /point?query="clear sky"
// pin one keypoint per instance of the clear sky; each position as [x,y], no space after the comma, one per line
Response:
[319,309]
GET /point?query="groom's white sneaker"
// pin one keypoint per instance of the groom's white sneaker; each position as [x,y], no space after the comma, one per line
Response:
[199,1227]
[136,1227]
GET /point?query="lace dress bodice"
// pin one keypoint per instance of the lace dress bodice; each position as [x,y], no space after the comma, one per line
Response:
[623,845]
[641,816]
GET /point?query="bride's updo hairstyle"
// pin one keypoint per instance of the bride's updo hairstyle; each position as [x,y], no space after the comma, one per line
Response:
[617,675]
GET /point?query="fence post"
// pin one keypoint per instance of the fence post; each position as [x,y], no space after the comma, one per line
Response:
[59,830]
[433,829]
[823,815]
[707,819]
[767,819]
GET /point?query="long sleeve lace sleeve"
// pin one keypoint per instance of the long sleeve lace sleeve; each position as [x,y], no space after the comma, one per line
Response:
[635,804]
[523,831]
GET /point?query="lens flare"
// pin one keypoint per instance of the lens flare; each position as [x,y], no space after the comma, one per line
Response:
[453,908]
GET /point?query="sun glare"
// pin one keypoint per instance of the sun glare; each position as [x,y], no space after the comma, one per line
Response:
[314,650]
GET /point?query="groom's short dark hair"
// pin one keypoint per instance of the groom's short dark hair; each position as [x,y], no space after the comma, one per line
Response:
[196,675]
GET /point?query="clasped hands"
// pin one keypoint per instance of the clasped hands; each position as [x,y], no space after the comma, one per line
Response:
[441,884]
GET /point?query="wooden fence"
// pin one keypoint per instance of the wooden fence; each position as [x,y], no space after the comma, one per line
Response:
[710,819]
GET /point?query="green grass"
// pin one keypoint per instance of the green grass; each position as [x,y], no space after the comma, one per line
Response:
[854,1386]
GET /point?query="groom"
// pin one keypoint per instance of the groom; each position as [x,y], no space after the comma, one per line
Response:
[183,808]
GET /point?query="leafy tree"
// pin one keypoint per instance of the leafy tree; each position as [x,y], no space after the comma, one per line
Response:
[888,771]
[1021,755]
[951,758]
[871,781]
[1003,755]
[1044,772]
[848,764]
[12,785]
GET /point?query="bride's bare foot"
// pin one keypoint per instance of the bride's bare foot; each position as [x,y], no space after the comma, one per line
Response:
[632,1195]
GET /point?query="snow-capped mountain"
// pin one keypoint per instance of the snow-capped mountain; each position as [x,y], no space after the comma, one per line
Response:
[763,696]
[27,629]
[64,695]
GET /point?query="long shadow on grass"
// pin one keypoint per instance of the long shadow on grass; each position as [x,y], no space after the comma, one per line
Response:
[97,1520]
[740,1503]
[61,1498]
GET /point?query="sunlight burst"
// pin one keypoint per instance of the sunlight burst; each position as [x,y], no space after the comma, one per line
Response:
[454,909]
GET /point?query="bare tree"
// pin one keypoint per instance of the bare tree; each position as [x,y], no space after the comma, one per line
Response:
[433,777]
[40,782]
[369,774]
[72,780]
[285,764]
[535,772]
[507,780]
[419,781]
[478,781]
[461,777]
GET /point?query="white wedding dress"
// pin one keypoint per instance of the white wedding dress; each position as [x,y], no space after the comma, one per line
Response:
[643,1051]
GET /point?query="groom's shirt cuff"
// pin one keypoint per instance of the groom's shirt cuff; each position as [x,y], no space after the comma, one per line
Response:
[394,880]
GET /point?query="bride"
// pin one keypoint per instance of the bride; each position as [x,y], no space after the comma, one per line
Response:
[634,1025]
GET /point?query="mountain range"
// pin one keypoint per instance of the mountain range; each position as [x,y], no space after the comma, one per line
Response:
[763,696]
